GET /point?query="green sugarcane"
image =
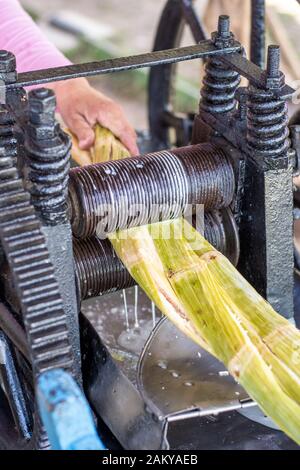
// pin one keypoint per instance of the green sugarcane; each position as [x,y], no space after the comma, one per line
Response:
[216,313]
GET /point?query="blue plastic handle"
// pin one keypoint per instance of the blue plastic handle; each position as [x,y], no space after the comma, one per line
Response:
[66,413]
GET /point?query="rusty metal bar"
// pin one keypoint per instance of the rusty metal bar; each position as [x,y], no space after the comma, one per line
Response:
[198,51]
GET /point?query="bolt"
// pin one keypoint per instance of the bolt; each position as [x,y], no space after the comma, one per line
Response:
[41,132]
[242,96]
[42,124]
[224,26]
[42,100]
[273,61]
[223,37]
[274,78]
[42,93]
[7,62]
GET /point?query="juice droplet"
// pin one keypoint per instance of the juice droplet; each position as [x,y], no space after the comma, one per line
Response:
[175,374]
[162,364]
[153,314]
[125,310]
[136,294]
[188,384]
[223,373]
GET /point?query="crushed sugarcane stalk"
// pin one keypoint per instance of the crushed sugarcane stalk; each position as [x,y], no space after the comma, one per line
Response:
[106,147]
[195,285]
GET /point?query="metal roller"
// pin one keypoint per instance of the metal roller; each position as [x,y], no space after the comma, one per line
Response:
[160,185]
[99,270]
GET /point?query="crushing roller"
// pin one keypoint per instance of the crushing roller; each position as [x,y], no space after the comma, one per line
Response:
[229,170]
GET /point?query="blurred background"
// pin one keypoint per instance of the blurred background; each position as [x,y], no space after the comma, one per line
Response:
[87,30]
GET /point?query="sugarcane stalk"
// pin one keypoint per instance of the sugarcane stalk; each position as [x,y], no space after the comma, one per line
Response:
[216,292]
[106,147]
[82,157]
[280,336]
[216,315]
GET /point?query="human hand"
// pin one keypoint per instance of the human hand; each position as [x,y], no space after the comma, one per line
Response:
[82,107]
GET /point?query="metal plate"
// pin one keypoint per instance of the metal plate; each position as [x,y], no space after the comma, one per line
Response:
[176,377]
[256,415]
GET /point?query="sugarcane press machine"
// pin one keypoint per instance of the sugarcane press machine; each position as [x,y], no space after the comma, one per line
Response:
[148,386]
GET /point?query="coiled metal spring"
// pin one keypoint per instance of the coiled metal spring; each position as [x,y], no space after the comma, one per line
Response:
[267,131]
[48,154]
[219,86]
[8,139]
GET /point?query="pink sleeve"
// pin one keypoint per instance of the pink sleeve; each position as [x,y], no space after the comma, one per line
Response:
[20,35]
